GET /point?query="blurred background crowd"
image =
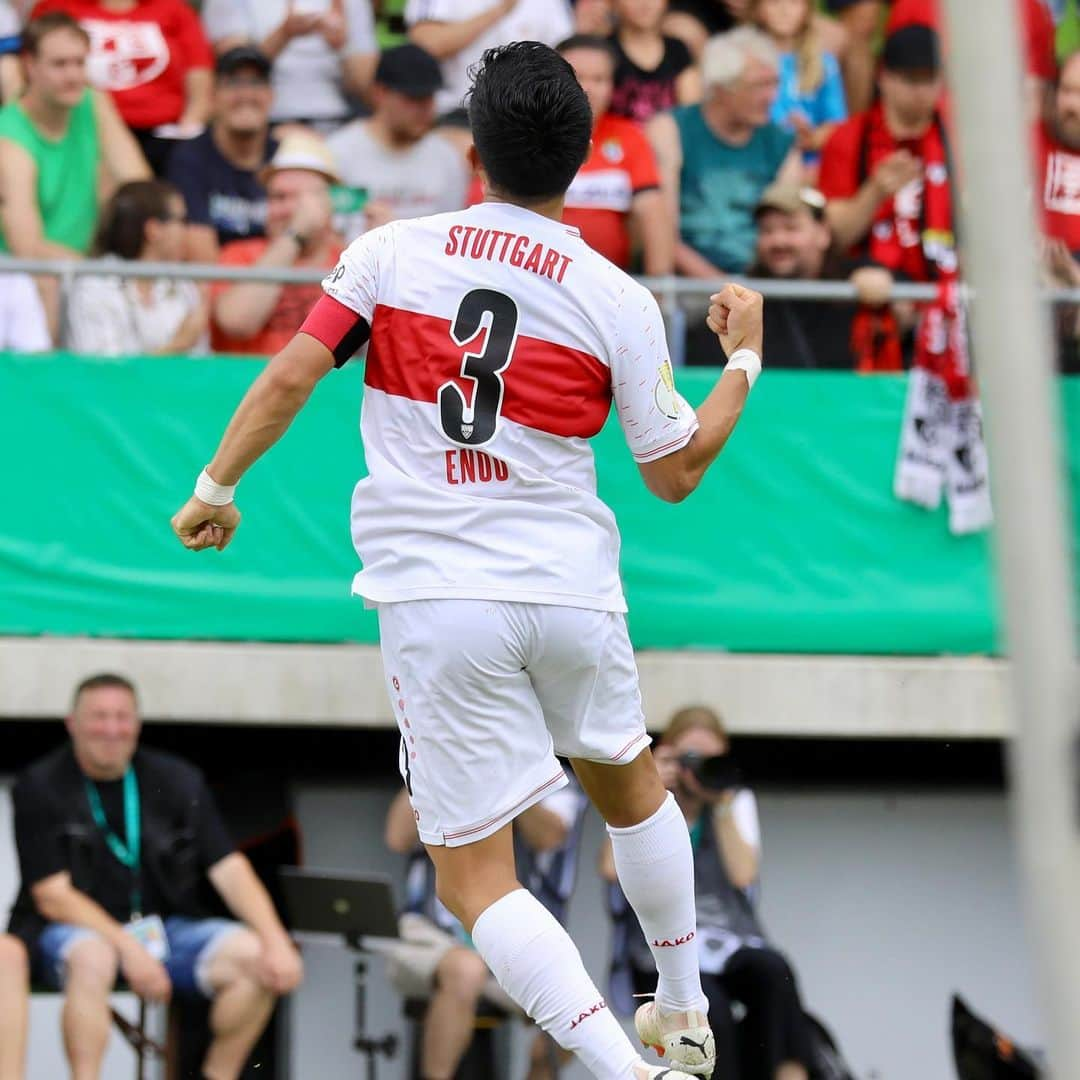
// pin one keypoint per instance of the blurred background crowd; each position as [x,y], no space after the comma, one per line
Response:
[782,139]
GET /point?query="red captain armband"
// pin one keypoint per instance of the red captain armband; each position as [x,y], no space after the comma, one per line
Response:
[338,327]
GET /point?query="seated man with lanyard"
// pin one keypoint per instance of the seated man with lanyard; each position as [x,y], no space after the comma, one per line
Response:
[114,842]
[436,960]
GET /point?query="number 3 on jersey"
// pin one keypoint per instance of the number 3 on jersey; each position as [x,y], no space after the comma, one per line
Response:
[473,424]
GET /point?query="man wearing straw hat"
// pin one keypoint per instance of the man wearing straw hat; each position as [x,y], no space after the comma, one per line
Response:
[260,317]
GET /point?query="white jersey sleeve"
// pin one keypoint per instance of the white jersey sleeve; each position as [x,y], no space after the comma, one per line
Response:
[656,419]
[354,281]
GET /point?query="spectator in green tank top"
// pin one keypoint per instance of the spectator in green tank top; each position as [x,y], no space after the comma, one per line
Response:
[63,149]
[389,23]
[717,158]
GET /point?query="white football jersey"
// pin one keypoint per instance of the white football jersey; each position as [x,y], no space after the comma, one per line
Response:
[499,340]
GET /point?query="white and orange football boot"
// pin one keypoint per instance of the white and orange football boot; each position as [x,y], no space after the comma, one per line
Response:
[683,1039]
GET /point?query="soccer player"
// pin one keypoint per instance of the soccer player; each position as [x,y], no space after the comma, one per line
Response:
[498,340]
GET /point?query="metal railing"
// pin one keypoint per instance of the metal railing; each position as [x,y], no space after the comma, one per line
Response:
[669,286]
[677,296]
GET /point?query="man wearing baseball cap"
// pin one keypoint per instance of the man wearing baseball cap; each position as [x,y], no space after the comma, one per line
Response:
[259,317]
[794,242]
[217,171]
[402,168]
[886,171]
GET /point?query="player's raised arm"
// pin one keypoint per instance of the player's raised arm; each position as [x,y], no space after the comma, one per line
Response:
[336,327]
[735,316]
[209,518]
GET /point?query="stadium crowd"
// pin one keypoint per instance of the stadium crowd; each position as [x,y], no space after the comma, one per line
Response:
[772,138]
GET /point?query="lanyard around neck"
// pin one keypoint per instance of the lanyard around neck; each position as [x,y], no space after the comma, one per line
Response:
[126,853]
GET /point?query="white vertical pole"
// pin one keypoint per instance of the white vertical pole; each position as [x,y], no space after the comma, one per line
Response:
[1014,363]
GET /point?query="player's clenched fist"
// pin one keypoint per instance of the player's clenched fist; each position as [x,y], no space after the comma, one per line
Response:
[735,316]
[200,526]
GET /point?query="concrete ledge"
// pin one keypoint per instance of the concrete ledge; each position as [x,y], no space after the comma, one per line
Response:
[342,686]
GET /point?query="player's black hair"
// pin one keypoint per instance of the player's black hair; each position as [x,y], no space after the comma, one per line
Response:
[531,122]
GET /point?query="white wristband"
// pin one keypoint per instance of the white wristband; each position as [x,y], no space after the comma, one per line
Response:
[745,360]
[211,493]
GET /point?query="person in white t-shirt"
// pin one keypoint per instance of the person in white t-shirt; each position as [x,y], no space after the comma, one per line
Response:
[323,52]
[459,32]
[499,342]
[110,315]
[23,325]
[404,169]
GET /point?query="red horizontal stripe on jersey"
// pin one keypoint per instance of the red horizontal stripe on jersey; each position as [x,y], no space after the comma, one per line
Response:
[548,387]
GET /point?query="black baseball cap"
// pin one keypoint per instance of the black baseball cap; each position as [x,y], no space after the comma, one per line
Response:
[912,48]
[243,56]
[409,70]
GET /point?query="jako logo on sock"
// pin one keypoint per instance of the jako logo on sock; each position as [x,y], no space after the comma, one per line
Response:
[665,944]
[585,1015]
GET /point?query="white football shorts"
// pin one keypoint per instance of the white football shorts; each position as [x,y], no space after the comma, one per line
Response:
[487,692]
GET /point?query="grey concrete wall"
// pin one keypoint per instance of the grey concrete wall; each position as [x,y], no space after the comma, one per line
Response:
[956,697]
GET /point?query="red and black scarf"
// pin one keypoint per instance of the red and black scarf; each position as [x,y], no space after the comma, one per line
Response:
[912,232]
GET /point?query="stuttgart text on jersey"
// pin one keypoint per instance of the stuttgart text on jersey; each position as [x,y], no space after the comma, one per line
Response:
[515,249]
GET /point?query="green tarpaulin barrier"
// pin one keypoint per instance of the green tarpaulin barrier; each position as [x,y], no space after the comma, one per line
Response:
[794,542]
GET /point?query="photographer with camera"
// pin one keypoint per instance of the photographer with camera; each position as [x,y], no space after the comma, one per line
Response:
[772,1041]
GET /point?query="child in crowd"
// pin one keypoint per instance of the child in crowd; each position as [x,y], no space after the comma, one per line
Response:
[653,72]
[810,101]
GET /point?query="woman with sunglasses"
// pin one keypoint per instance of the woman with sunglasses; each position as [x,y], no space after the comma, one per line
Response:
[113,315]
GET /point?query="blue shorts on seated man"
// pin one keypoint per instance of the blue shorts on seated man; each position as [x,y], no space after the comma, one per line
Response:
[192,945]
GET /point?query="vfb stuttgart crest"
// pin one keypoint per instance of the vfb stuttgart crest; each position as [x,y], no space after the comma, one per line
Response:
[125,54]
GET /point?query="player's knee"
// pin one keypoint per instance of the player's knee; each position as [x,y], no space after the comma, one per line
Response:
[462,973]
[92,961]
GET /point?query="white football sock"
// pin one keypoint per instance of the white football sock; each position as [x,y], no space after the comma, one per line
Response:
[655,864]
[537,964]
